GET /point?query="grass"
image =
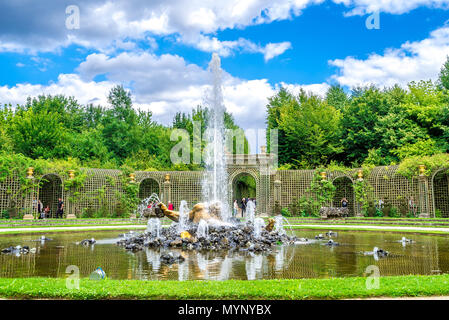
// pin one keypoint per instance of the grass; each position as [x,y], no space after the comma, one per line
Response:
[333,288]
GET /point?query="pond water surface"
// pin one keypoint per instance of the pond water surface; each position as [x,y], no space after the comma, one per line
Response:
[429,255]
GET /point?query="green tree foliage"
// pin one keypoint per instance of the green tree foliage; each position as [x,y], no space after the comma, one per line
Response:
[310,129]
[57,127]
[370,126]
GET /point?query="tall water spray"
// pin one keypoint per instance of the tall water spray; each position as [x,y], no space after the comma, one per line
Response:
[215,182]
[183,216]
[203,229]
[250,211]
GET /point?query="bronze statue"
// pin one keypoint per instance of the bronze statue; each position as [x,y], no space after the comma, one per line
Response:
[198,212]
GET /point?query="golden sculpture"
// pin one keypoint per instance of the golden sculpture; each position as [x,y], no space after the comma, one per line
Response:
[198,212]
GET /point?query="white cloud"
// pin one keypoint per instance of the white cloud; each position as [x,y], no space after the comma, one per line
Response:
[412,61]
[67,84]
[163,84]
[361,7]
[105,24]
[226,48]
[272,50]
[319,89]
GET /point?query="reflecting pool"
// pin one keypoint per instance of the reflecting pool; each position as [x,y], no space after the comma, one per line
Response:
[428,255]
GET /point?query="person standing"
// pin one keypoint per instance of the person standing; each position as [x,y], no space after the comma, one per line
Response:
[243,207]
[60,211]
[344,203]
[412,206]
[235,209]
[40,209]
[47,211]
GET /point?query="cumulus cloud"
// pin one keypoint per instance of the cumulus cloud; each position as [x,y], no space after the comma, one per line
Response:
[67,84]
[412,61]
[163,84]
[105,24]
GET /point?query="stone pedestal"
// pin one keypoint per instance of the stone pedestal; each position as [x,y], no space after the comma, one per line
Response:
[423,200]
[28,216]
[70,216]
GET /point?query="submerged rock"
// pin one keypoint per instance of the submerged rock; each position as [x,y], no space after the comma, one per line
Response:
[18,250]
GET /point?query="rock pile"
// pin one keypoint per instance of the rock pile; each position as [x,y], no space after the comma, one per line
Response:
[224,237]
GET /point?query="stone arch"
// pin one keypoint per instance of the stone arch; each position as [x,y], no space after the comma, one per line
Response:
[233,178]
[148,186]
[344,188]
[440,192]
[49,191]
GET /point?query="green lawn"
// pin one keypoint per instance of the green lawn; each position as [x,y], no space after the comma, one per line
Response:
[334,288]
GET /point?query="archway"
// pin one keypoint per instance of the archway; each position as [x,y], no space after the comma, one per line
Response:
[244,185]
[441,193]
[344,189]
[147,187]
[50,190]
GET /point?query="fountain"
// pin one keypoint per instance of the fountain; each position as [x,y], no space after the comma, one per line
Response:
[215,182]
[208,225]
[279,225]
[259,224]
[154,227]
[183,216]
[203,229]
[250,211]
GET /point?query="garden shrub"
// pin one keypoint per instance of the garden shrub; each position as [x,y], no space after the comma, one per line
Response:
[285,212]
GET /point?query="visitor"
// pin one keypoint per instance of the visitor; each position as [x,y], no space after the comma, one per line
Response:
[344,202]
[60,211]
[243,207]
[35,205]
[170,206]
[412,206]
[40,209]
[236,208]
[47,211]
[381,203]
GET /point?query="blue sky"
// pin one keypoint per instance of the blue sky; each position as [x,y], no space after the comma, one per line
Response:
[160,49]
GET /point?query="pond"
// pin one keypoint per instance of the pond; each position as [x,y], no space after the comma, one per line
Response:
[429,255]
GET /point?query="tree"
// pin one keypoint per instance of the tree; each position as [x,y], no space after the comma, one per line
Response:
[121,132]
[443,79]
[312,130]
[38,135]
[336,97]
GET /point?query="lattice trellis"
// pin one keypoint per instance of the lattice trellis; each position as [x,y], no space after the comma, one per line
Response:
[440,186]
[102,188]
[50,190]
